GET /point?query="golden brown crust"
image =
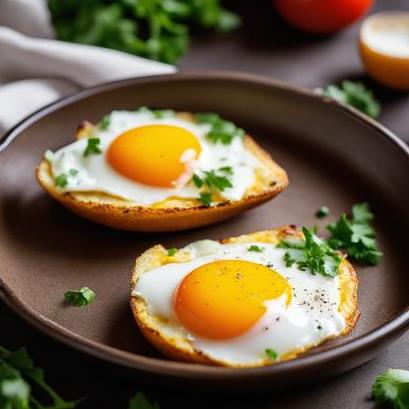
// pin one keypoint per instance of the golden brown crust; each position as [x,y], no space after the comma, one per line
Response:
[171,214]
[182,349]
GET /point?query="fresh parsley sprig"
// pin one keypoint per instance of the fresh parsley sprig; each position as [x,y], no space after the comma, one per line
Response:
[214,180]
[80,298]
[221,130]
[92,147]
[311,254]
[17,376]
[355,235]
[155,29]
[356,95]
[392,387]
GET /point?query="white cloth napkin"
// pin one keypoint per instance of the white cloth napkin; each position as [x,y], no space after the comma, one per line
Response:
[37,71]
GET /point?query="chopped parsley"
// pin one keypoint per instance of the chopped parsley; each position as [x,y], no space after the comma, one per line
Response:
[271,354]
[62,179]
[214,180]
[172,251]
[140,401]
[255,248]
[322,212]
[92,147]
[392,387]
[17,376]
[221,130]
[104,123]
[80,298]
[355,235]
[206,198]
[356,95]
[312,254]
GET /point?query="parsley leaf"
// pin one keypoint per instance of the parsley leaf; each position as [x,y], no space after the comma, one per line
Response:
[140,401]
[271,354]
[61,180]
[80,298]
[172,251]
[355,235]
[312,254]
[198,181]
[213,180]
[322,212]
[155,29]
[92,147]
[206,198]
[356,95]
[221,130]
[392,387]
[255,248]
[105,122]
[16,371]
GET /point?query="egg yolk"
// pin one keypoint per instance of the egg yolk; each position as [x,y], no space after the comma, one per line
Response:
[224,299]
[155,155]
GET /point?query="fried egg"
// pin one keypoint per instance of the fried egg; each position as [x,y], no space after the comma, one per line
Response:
[146,159]
[234,303]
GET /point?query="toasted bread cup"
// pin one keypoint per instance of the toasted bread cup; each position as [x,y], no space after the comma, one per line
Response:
[182,349]
[173,213]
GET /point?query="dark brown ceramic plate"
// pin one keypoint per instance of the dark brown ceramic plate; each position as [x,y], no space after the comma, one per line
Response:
[333,155]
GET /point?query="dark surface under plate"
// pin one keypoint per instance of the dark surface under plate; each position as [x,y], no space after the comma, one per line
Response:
[46,250]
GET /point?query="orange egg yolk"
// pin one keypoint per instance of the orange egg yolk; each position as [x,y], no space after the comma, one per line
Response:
[224,299]
[155,155]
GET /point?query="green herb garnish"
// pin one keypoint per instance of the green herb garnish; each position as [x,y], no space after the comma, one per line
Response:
[222,131]
[392,387]
[155,29]
[255,248]
[17,376]
[80,298]
[212,180]
[322,212]
[172,251]
[271,354]
[105,122]
[312,254]
[356,95]
[92,147]
[355,235]
[61,180]
[206,198]
[140,401]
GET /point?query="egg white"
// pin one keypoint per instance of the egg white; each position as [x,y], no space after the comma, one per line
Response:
[95,174]
[312,316]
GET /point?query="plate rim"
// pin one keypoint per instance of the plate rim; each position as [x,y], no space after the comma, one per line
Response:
[158,366]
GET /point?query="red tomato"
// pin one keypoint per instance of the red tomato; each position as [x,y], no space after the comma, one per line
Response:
[322,16]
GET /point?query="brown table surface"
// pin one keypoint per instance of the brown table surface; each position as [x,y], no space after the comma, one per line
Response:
[264,45]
